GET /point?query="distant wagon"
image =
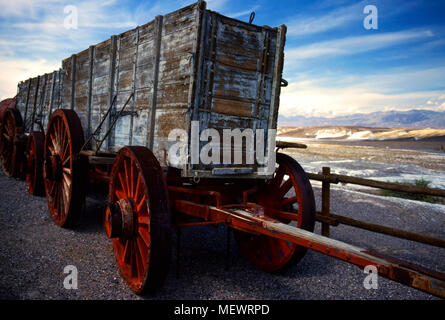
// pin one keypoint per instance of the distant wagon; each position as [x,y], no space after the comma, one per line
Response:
[107,117]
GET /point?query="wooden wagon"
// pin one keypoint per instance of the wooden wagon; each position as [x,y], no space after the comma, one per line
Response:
[109,114]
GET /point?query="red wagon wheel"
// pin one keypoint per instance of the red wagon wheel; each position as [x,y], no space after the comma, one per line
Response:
[34,162]
[138,219]
[63,171]
[287,197]
[11,151]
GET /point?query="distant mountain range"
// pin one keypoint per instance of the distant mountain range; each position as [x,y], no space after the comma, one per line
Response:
[356,133]
[388,119]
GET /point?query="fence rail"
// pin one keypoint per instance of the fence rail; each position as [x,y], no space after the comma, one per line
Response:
[327,218]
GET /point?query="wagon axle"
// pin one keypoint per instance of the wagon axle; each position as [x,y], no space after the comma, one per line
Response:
[120,219]
[53,168]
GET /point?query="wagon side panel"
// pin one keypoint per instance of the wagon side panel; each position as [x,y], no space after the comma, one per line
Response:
[66,81]
[177,62]
[100,87]
[50,100]
[22,96]
[134,85]
[80,73]
[239,74]
[36,94]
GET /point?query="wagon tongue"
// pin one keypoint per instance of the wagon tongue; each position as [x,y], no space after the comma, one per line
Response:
[394,269]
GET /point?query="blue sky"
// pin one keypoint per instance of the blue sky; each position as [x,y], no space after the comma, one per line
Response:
[333,64]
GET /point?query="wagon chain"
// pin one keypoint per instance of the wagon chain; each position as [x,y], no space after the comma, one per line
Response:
[115,118]
[252,17]
[99,127]
[39,123]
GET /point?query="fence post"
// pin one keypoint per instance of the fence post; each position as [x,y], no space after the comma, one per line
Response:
[325,201]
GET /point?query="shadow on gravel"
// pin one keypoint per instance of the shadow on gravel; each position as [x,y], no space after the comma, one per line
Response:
[203,257]
[92,218]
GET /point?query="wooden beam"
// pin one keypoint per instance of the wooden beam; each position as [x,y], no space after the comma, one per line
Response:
[335,219]
[113,54]
[73,79]
[156,59]
[90,87]
[336,178]
[325,201]
[31,126]
[51,101]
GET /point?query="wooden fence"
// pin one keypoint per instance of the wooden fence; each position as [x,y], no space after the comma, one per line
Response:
[327,218]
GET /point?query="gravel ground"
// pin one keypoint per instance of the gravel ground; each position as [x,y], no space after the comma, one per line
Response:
[34,253]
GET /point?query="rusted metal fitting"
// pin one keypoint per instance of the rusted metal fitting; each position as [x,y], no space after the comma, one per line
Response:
[284,83]
[48,173]
[112,221]
[53,168]
[252,17]
[119,219]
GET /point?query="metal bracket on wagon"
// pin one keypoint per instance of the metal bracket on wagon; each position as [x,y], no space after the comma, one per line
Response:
[286,145]
[284,82]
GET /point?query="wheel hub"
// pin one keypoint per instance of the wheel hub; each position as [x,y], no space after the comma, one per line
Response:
[119,219]
[53,168]
[56,164]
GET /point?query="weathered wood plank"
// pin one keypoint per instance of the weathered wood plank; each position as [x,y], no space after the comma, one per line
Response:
[156,58]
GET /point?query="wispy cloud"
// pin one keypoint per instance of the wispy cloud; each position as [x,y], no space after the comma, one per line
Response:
[242,13]
[24,8]
[397,89]
[327,16]
[217,4]
[306,25]
[16,70]
[353,45]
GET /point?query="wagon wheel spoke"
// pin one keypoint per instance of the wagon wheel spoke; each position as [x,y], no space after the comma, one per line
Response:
[284,188]
[144,235]
[288,201]
[127,252]
[285,214]
[278,178]
[288,197]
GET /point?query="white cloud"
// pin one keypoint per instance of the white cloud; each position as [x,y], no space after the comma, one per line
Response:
[217,5]
[16,70]
[313,101]
[23,8]
[242,13]
[353,45]
[369,93]
[304,25]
